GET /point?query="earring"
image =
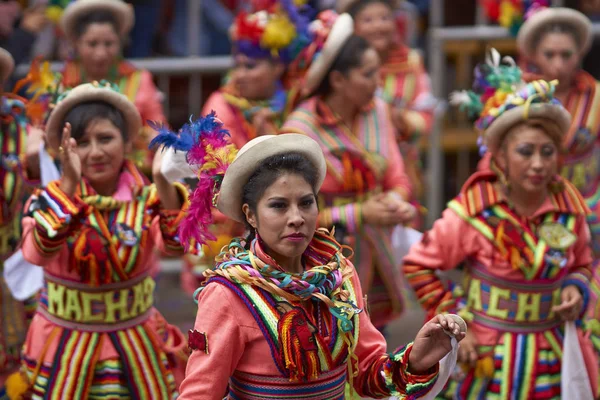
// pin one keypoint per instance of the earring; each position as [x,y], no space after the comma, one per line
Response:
[503,179]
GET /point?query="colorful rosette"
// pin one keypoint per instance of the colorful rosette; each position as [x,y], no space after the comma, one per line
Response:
[512,13]
[275,29]
[210,154]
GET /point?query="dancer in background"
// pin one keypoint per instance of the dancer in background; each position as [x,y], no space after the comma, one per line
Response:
[282,314]
[404,83]
[19,174]
[96,30]
[96,333]
[366,191]
[521,232]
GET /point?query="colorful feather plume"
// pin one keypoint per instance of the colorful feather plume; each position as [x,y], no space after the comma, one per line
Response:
[511,14]
[210,153]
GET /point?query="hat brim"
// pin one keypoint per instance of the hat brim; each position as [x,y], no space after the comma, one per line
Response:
[122,12]
[531,28]
[344,6]
[7,65]
[342,29]
[250,158]
[86,93]
[500,127]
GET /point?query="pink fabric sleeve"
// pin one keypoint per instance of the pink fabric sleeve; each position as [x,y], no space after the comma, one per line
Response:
[380,374]
[217,103]
[395,177]
[444,247]
[207,375]
[148,100]
[580,269]
[31,252]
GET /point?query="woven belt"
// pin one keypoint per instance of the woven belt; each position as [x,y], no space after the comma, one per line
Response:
[512,306]
[107,308]
[329,386]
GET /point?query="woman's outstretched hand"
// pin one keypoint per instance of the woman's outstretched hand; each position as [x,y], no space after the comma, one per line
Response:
[432,343]
[70,161]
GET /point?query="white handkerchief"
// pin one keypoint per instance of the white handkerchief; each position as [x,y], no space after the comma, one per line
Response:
[22,278]
[574,379]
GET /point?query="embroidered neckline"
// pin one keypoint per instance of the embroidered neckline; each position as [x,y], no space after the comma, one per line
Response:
[249,108]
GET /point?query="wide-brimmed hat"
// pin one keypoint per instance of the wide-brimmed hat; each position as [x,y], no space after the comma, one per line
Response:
[87,92]
[342,29]
[252,155]
[538,21]
[7,65]
[500,100]
[344,6]
[122,12]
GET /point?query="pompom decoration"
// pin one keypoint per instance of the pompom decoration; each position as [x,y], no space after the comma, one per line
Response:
[511,14]
[210,153]
[276,29]
[497,88]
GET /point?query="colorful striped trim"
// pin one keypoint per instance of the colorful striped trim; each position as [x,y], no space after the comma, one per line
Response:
[349,216]
[400,382]
[329,386]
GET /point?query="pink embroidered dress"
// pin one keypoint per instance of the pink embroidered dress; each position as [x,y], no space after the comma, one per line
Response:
[96,333]
[362,160]
[251,343]
[515,269]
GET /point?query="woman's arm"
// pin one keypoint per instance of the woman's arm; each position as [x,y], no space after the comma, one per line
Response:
[445,246]
[220,346]
[52,217]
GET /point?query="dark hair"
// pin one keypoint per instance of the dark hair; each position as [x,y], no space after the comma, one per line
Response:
[358,6]
[268,172]
[558,27]
[349,57]
[83,114]
[95,17]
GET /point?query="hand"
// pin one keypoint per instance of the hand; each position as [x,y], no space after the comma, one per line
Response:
[35,138]
[399,120]
[261,119]
[379,211]
[34,19]
[572,304]
[432,343]
[70,162]
[157,162]
[405,211]
[467,352]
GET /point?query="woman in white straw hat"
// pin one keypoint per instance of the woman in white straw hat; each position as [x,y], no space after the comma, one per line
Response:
[19,175]
[366,192]
[521,233]
[552,43]
[404,82]
[281,314]
[98,30]
[96,333]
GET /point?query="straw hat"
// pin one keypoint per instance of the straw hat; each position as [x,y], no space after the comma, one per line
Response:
[87,92]
[530,30]
[251,156]
[122,12]
[555,113]
[343,6]
[341,31]
[7,65]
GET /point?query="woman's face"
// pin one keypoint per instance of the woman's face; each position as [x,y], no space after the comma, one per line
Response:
[102,152]
[256,79]
[375,22]
[557,57]
[529,157]
[285,217]
[98,48]
[358,85]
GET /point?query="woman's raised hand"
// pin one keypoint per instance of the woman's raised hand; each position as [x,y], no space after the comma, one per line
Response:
[70,162]
[433,343]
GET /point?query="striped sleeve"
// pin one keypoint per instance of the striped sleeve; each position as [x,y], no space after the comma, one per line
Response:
[56,217]
[349,216]
[580,272]
[402,383]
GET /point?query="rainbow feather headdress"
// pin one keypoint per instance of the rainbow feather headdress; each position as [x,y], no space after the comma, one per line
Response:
[276,29]
[497,89]
[511,14]
[209,153]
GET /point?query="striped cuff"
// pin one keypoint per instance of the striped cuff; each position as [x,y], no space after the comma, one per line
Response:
[350,216]
[55,215]
[583,284]
[401,382]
